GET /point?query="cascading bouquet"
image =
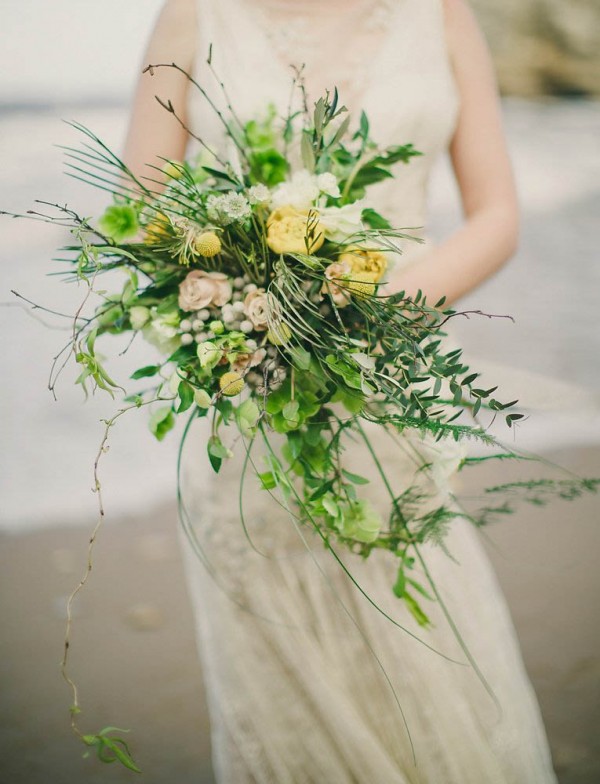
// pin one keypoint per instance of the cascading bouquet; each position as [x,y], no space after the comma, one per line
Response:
[259,278]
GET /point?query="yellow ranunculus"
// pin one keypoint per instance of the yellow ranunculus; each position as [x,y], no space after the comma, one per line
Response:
[290,230]
[362,260]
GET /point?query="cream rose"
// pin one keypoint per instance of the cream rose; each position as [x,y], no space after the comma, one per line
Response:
[200,289]
[256,308]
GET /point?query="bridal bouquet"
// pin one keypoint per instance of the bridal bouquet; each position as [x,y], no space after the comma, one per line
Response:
[261,287]
[260,278]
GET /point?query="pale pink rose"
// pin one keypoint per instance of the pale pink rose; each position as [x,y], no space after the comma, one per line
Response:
[244,362]
[200,289]
[223,288]
[336,272]
[256,308]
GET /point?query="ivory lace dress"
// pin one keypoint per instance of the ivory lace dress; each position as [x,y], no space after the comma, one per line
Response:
[291,650]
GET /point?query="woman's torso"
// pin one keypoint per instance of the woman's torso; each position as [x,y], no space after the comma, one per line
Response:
[389,56]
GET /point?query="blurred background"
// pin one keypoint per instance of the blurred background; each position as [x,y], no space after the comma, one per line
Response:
[134,646]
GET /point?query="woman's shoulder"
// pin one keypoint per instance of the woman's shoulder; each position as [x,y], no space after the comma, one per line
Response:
[462,28]
[175,31]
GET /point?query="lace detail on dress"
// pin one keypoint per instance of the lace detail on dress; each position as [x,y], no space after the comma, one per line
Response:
[357,32]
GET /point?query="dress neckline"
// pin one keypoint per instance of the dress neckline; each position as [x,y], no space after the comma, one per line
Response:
[388,13]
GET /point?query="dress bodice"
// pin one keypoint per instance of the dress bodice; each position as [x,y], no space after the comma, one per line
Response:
[405,84]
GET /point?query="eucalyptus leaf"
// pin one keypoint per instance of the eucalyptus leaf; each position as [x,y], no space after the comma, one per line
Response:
[186,396]
[145,372]
[161,421]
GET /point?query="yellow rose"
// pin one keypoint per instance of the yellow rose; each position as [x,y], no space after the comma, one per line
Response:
[363,260]
[290,231]
[156,230]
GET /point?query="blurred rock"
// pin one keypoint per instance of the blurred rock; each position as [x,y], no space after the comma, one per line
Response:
[543,47]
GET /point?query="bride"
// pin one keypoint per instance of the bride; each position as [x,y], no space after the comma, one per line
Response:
[306,680]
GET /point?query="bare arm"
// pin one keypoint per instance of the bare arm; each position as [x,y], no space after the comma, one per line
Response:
[152,131]
[488,236]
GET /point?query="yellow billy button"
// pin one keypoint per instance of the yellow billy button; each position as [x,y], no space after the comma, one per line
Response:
[279,334]
[231,383]
[361,284]
[207,244]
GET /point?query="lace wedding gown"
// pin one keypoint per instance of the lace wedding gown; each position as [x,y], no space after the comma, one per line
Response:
[294,656]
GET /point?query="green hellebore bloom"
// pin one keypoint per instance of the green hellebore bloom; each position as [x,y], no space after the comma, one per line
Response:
[119,222]
[359,521]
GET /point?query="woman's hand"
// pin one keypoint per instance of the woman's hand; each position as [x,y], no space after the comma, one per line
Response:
[488,237]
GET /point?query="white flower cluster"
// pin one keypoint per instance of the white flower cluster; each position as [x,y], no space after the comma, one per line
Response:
[228,208]
[304,189]
[259,194]
[341,223]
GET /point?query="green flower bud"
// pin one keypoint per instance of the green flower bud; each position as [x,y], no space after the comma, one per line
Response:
[217,327]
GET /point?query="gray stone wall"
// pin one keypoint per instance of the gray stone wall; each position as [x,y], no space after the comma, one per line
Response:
[543,47]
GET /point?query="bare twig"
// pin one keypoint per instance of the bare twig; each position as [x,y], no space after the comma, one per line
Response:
[169,107]
[97,488]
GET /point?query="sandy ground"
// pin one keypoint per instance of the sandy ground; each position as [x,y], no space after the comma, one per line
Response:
[134,658]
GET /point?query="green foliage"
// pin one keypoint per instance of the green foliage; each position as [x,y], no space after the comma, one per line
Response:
[161,421]
[92,367]
[145,372]
[186,396]
[247,415]
[111,749]
[267,164]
